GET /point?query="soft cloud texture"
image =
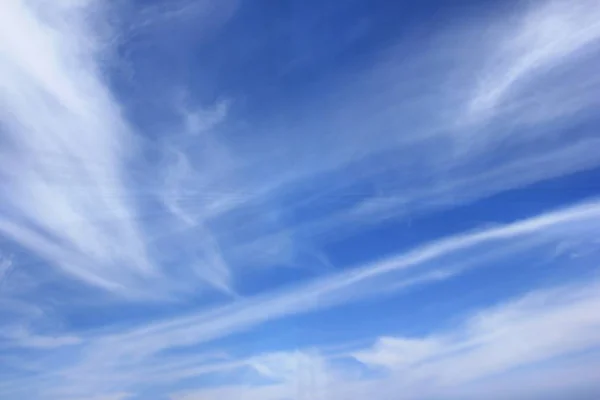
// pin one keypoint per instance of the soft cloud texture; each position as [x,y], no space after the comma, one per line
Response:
[231,200]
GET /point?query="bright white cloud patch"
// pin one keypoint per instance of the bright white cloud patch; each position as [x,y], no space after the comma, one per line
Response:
[230,200]
[64,148]
[540,326]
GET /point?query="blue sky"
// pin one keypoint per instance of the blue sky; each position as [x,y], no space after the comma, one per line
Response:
[289,200]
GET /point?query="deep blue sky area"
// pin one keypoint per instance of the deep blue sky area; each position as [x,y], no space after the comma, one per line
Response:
[288,200]
[270,50]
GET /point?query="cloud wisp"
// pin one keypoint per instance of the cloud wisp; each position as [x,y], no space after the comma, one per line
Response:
[149,218]
[527,340]
[107,358]
[64,150]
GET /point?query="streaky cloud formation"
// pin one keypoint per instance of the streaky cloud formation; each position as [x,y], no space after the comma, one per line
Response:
[549,35]
[64,148]
[203,199]
[493,342]
[110,357]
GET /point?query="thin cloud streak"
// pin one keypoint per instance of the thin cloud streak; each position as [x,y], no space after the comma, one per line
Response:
[140,345]
[550,34]
[574,158]
[459,162]
[539,327]
[183,205]
[530,333]
[64,135]
[95,244]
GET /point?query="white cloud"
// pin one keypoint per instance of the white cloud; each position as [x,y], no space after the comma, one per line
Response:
[293,375]
[114,396]
[525,348]
[537,328]
[81,216]
[203,15]
[192,192]
[68,152]
[549,34]
[65,147]
[515,127]
[6,266]
[575,157]
[21,337]
[127,350]
[394,352]
[67,194]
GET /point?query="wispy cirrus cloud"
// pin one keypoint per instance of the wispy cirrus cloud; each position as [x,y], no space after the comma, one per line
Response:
[538,328]
[214,187]
[106,360]
[546,37]
[344,286]
[68,152]
[535,334]
[179,191]
[381,156]
[65,149]
[20,338]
